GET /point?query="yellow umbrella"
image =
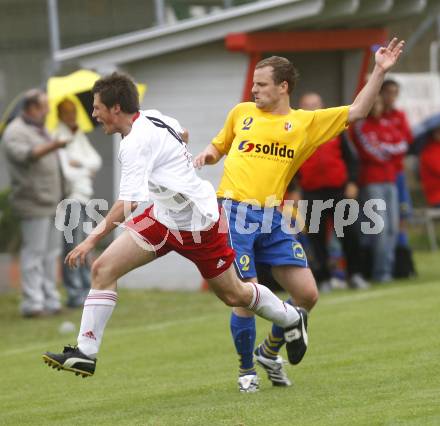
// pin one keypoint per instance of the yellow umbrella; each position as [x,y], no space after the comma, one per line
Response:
[77,88]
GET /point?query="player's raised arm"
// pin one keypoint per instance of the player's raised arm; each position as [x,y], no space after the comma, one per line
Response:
[386,58]
[210,155]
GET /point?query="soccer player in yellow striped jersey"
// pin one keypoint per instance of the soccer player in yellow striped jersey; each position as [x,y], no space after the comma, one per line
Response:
[265,142]
[265,150]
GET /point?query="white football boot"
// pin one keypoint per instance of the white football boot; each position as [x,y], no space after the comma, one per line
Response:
[249,383]
[274,369]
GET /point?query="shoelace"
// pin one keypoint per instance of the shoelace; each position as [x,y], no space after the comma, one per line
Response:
[279,365]
[278,369]
[69,348]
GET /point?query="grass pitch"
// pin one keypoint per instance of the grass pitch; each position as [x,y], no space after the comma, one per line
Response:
[168,359]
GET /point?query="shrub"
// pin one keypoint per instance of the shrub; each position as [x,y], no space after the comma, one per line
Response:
[9,225]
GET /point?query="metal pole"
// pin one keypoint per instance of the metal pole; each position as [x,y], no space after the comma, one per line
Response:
[54,32]
[434,49]
[433,56]
[159,6]
[438,25]
[419,32]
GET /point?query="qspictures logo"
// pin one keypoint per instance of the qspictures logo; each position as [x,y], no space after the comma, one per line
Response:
[274,149]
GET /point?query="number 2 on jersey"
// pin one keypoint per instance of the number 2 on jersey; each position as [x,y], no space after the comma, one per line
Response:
[244,261]
[247,123]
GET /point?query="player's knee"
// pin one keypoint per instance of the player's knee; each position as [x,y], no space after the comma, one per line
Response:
[101,274]
[230,299]
[234,297]
[308,297]
[312,297]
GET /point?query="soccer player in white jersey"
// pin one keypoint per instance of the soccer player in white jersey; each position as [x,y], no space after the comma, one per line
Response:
[156,166]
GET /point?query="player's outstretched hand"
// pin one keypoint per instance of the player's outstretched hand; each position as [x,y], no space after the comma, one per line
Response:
[79,253]
[200,160]
[386,57]
[210,155]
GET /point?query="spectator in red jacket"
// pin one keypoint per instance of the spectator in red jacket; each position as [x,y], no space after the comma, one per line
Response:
[397,118]
[331,174]
[430,169]
[389,93]
[378,142]
[404,265]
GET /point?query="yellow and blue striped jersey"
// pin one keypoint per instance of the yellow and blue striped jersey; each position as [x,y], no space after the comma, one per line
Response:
[264,150]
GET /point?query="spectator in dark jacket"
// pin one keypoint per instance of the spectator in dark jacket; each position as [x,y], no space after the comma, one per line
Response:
[331,174]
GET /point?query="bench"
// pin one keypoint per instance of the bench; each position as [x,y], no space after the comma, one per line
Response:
[427,217]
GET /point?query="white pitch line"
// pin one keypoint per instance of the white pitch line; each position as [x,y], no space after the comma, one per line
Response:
[353,297]
[111,332]
[365,295]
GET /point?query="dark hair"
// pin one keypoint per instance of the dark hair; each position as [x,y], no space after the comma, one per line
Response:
[283,70]
[119,89]
[32,98]
[389,82]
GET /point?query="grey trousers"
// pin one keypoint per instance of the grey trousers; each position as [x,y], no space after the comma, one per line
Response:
[38,261]
[383,244]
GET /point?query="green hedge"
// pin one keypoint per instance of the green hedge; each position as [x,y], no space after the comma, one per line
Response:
[9,225]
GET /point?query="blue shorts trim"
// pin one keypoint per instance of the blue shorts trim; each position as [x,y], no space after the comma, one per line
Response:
[257,236]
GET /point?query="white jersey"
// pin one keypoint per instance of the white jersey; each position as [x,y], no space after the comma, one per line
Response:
[156,166]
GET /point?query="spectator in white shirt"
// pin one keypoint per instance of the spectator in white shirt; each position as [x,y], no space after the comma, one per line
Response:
[80,163]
